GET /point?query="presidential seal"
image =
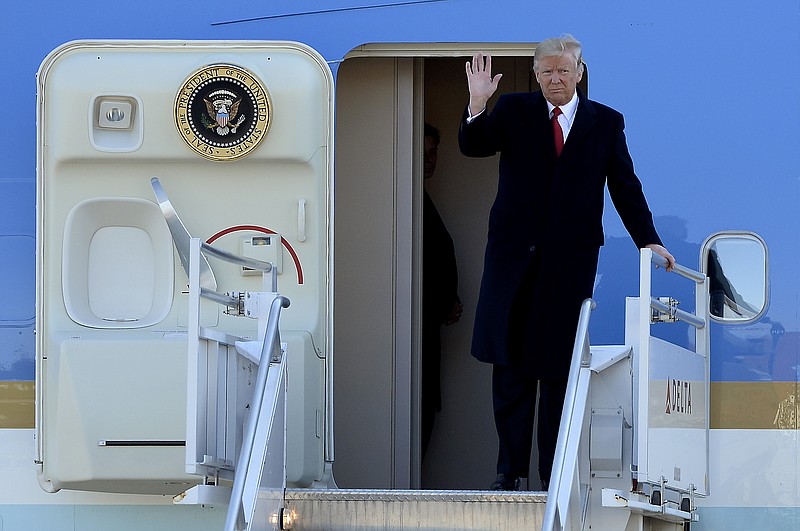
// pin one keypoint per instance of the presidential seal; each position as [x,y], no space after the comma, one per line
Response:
[222,111]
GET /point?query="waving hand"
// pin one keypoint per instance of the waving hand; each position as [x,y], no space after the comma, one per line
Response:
[481,83]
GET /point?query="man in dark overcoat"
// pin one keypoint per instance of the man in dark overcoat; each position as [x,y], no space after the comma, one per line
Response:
[558,151]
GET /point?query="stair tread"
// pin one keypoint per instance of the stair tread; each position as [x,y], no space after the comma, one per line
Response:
[388,495]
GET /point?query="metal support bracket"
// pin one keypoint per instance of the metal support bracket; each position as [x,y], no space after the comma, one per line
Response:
[665,312]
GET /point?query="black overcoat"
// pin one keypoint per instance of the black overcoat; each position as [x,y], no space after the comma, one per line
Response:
[545,226]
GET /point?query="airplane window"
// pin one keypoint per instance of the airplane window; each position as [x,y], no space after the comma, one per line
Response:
[736,265]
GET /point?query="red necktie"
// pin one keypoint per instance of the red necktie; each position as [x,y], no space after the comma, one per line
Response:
[558,134]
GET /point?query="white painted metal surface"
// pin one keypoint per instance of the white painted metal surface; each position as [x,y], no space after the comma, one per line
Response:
[112,331]
[671,396]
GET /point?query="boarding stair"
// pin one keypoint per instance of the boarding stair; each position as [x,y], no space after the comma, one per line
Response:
[620,464]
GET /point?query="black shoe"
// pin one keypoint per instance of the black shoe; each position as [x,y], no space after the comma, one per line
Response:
[503,482]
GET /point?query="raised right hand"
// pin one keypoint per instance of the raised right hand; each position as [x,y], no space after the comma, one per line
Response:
[480,81]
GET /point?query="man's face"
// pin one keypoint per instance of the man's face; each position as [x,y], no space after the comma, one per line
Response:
[431,156]
[558,76]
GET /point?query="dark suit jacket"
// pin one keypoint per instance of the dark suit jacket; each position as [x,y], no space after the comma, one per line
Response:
[439,295]
[548,214]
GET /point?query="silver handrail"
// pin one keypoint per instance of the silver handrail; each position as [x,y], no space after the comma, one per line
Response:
[181,239]
[681,270]
[219,298]
[581,357]
[682,315]
[227,299]
[270,348]
[245,261]
[252,263]
[181,236]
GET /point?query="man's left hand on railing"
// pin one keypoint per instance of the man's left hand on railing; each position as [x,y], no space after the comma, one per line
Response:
[662,251]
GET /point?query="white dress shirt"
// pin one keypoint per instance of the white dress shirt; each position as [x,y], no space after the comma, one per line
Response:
[567,115]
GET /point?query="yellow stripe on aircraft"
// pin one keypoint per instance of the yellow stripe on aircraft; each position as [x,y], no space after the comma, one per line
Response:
[755,405]
[17,404]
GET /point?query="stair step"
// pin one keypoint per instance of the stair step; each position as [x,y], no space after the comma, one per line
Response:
[340,509]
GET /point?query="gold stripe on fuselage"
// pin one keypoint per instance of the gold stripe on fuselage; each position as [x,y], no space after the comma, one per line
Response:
[755,405]
[17,404]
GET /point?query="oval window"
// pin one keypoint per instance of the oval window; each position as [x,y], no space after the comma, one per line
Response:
[736,266]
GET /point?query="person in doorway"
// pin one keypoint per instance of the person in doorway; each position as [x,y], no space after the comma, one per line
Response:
[558,150]
[440,302]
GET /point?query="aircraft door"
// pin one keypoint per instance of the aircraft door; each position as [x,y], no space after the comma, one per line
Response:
[240,136]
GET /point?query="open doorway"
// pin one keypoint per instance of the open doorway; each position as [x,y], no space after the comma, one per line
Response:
[463,447]
[384,95]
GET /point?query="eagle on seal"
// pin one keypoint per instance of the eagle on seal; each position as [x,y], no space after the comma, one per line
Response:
[223,107]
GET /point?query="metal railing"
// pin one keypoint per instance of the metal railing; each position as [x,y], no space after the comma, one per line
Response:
[670,310]
[652,452]
[248,467]
[269,382]
[564,488]
[679,269]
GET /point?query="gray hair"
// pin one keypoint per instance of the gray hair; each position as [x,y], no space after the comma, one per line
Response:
[566,44]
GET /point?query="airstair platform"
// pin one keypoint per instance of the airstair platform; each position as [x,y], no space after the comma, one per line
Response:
[344,509]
